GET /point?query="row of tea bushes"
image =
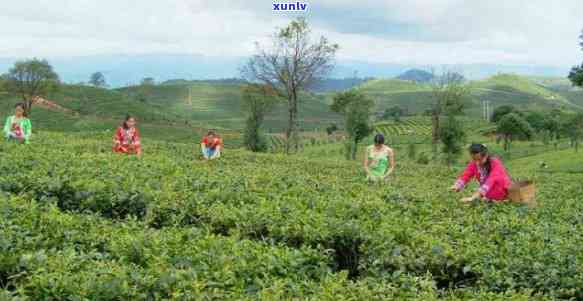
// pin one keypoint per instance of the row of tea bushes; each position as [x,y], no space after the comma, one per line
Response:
[404,236]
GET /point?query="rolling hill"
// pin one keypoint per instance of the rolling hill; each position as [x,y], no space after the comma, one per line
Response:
[193,104]
[220,105]
[502,89]
[417,75]
[168,109]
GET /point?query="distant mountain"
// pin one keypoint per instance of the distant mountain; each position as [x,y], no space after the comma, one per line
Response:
[125,70]
[417,75]
[337,84]
[227,81]
[121,70]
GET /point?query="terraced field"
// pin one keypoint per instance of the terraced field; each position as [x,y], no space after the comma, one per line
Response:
[407,127]
[503,89]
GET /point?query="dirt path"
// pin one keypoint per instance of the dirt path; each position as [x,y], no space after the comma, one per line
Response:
[51,105]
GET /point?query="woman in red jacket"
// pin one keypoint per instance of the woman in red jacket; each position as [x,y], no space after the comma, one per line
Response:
[127,138]
[489,172]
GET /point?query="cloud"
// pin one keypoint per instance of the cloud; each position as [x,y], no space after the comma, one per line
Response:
[417,31]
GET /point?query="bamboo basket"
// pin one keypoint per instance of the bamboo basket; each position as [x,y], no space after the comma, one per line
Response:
[523,192]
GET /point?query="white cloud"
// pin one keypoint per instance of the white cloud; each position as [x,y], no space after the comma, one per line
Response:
[413,31]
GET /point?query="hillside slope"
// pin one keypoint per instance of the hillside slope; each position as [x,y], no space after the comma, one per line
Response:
[220,105]
[197,104]
[503,89]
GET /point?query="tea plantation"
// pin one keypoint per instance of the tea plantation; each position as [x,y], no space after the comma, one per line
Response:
[80,223]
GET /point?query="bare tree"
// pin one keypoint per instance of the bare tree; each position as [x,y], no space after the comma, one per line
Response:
[448,91]
[30,79]
[292,63]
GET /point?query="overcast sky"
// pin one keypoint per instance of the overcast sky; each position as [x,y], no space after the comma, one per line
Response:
[538,32]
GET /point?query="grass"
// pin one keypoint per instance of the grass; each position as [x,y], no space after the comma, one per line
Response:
[563,161]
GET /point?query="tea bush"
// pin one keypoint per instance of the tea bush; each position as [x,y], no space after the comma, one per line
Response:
[80,222]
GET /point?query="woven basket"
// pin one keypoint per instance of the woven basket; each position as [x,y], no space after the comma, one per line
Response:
[523,192]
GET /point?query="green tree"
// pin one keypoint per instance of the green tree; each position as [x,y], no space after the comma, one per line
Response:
[30,79]
[289,66]
[97,79]
[536,120]
[394,112]
[258,100]
[356,108]
[512,127]
[553,123]
[502,111]
[576,73]
[449,92]
[452,136]
[331,129]
[573,128]
[576,76]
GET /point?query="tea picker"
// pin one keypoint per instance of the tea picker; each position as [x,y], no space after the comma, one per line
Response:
[489,172]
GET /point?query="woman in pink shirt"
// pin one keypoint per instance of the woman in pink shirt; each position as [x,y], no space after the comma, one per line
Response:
[489,172]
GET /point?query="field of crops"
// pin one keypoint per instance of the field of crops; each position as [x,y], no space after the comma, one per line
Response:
[276,142]
[80,223]
[409,126]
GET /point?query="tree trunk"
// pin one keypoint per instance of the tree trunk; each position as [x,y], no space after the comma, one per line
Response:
[291,132]
[295,128]
[435,132]
[27,101]
[354,150]
[290,126]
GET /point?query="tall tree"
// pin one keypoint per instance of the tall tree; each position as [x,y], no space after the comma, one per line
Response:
[501,111]
[536,120]
[448,91]
[258,100]
[97,79]
[573,127]
[576,74]
[452,136]
[356,108]
[512,126]
[552,123]
[290,65]
[30,79]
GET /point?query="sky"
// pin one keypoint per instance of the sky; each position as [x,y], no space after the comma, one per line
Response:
[424,32]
